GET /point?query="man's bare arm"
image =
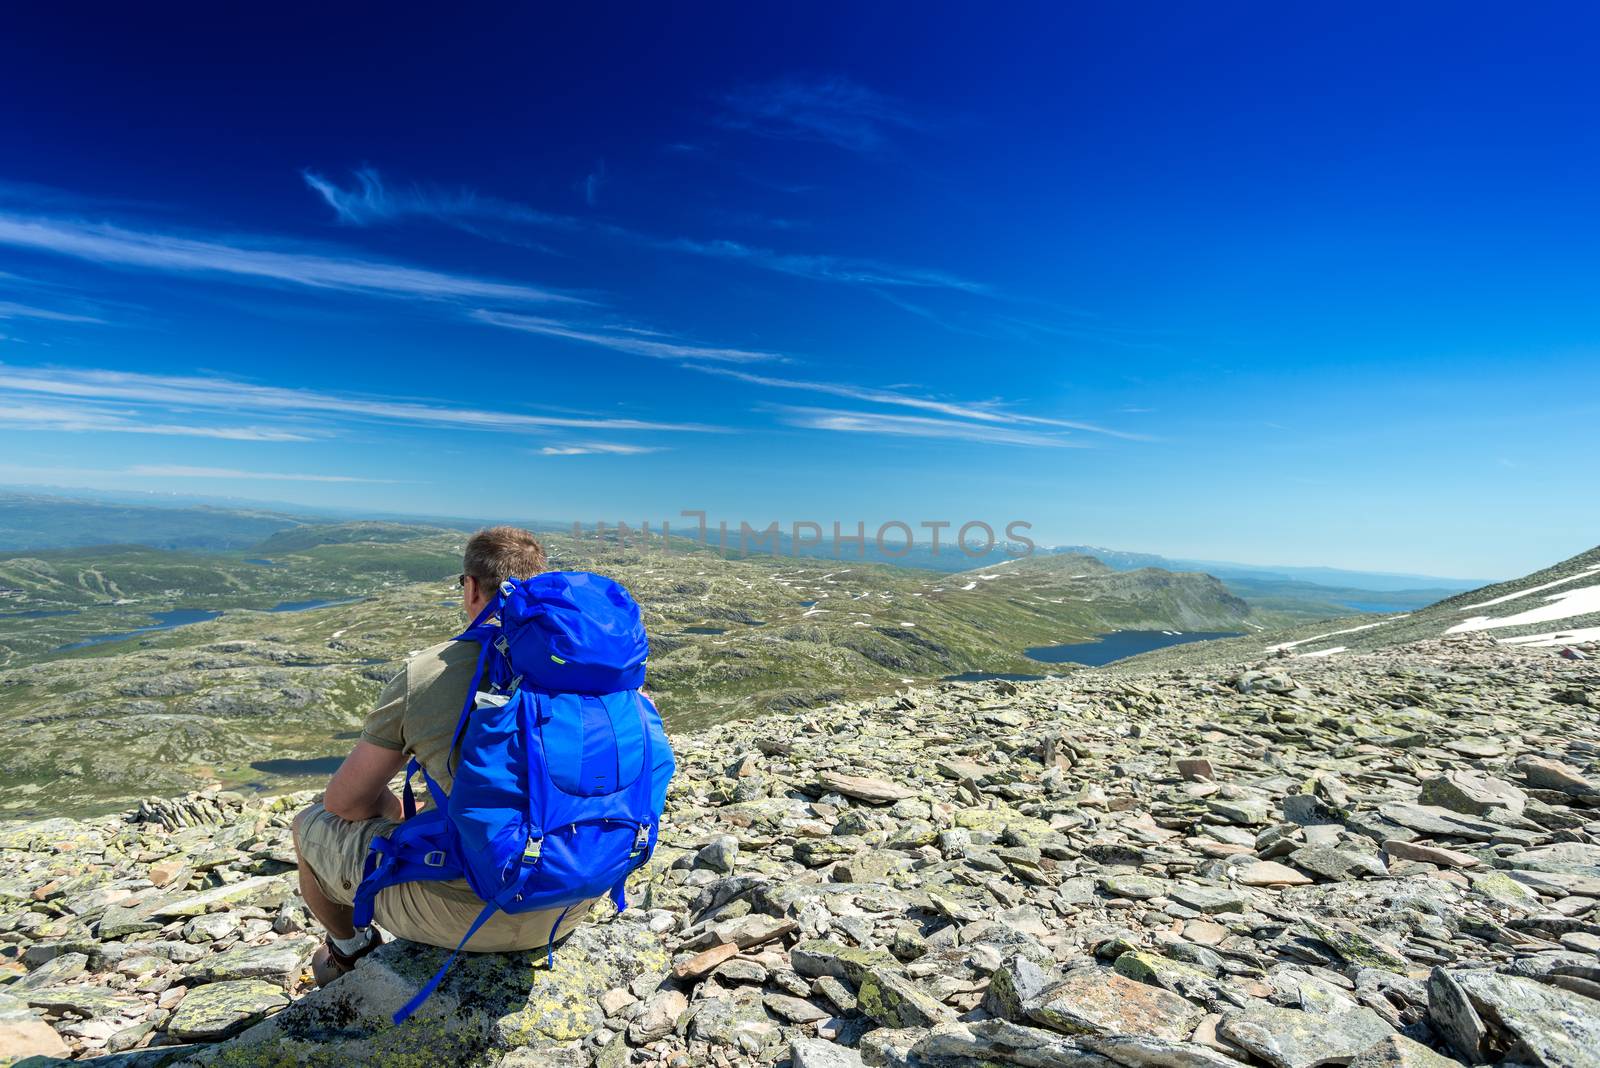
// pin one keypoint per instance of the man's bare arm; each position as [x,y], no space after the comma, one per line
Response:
[359,790]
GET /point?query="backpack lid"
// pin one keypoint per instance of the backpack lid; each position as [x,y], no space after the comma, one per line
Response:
[573,632]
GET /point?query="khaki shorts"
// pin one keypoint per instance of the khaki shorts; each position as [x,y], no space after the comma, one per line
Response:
[436,914]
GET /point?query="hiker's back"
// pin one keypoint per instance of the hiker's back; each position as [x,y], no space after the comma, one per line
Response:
[418,713]
[555,770]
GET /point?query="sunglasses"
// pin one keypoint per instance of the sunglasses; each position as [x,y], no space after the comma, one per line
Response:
[461,580]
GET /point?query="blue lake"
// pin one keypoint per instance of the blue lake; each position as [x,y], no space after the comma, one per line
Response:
[299,766]
[178,617]
[1120,644]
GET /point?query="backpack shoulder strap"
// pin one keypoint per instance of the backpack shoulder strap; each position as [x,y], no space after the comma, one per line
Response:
[431,985]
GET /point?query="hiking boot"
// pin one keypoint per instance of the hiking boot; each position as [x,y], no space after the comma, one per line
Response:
[328,963]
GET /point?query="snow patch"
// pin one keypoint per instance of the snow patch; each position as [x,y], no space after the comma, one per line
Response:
[1531,589]
[970,586]
[1321,652]
[1562,605]
[1331,633]
[1560,637]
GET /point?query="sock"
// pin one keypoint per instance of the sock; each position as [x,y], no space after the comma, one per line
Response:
[355,943]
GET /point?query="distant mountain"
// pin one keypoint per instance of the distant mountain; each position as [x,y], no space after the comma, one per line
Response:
[1334,577]
[1557,606]
[299,539]
[33,521]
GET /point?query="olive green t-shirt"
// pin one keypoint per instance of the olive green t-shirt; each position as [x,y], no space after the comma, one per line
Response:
[418,710]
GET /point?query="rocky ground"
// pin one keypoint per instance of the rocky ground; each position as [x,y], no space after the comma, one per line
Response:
[1388,858]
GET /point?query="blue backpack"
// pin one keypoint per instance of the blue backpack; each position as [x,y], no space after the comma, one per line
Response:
[561,765]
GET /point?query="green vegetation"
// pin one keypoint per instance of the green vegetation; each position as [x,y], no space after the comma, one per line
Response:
[161,710]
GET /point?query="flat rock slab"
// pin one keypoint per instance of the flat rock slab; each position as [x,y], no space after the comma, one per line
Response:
[817,1053]
[893,1000]
[1427,854]
[278,962]
[1270,873]
[489,1004]
[1099,1001]
[222,1009]
[1137,887]
[87,1002]
[29,1037]
[1398,1051]
[862,788]
[1209,899]
[1559,1028]
[1432,820]
[1294,1038]
[1473,793]
[237,893]
[1565,858]
[1340,865]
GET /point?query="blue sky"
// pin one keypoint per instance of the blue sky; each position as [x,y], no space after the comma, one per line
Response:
[1237,282]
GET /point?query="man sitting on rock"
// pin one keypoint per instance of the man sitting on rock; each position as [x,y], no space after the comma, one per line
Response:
[416,716]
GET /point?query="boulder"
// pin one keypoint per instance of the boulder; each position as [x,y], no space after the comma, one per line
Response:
[1294,1038]
[1099,1001]
[490,1006]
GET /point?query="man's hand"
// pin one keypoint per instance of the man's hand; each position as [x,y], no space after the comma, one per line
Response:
[359,790]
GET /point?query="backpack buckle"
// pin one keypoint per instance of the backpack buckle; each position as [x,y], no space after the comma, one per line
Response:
[435,859]
[641,839]
[504,646]
[534,849]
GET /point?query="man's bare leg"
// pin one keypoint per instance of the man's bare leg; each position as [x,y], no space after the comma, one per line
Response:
[337,919]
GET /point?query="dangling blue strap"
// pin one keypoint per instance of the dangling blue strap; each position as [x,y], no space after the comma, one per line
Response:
[619,894]
[550,946]
[438,977]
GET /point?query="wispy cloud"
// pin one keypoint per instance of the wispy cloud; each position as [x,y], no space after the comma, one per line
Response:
[115,246]
[930,315]
[835,111]
[919,426]
[979,412]
[72,417]
[370,200]
[12,310]
[592,183]
[630,343]
[230,474]
[825,268]
[223,394]
[597,448]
